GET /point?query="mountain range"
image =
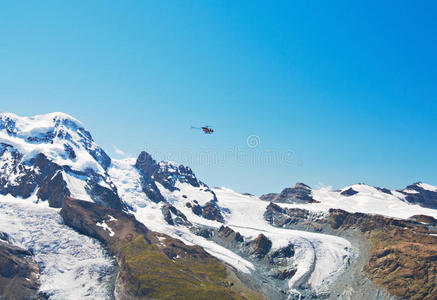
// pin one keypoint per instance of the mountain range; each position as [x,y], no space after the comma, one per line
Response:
[77,224]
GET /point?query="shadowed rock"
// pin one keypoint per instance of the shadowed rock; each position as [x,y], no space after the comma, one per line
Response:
[211,211]
[300,193]
[54,190]
[420,196]
[424,219]
[173,216]
[260,246]
[18,274]
[229,235]
[349,192]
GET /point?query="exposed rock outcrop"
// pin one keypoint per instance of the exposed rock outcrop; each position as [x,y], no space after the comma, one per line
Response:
[166,173]
[349,192]
[260,246]
[173,216]
[147,167]
[418,194]
[229,235]
[211,211]
[300,193]
[54,190]
[292,218]
[18,273]
[424,219]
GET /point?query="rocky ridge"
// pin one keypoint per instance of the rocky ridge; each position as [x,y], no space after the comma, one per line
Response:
[57,172]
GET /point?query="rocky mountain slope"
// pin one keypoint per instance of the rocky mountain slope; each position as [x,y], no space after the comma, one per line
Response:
[141,229]
[18,272]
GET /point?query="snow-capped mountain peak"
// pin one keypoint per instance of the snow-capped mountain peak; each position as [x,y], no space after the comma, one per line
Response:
[62,138]
[53,156]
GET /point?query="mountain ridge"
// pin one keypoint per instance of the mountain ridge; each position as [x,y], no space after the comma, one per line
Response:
[61,162]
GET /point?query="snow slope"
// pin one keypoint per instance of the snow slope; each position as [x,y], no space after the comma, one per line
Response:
[319,257]
[368,200]
[127,179]
[73,266]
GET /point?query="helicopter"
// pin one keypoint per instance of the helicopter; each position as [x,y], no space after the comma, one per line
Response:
[205,129]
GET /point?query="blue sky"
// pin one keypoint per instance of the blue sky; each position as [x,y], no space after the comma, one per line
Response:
[334,94]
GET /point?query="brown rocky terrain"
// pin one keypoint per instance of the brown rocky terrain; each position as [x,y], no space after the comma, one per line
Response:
[18,274]
[153,265]
[403,254]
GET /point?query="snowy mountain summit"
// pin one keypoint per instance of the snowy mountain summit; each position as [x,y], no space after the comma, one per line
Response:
[299,243]
[60,137]
[53,156]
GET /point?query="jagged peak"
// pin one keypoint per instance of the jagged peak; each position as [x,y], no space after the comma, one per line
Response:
[167,173]
[422,185]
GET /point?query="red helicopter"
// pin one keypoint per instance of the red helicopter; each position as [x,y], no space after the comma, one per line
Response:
[205,129]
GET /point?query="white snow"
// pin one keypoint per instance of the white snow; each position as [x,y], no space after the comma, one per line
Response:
[428,187]
[73,266]
[111,218]
[76,185]
[127,180]
[7,168]
[30,127]
[368,200]
[410,191]
[185,189]
[106,227]
[318,257]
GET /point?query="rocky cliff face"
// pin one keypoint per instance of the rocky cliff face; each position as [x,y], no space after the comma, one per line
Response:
[166,173]
[18,272]
[300,193]
[293,218]
[421,194]
[168,176]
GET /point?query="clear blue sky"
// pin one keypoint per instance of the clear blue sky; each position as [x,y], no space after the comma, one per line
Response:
[340,92]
